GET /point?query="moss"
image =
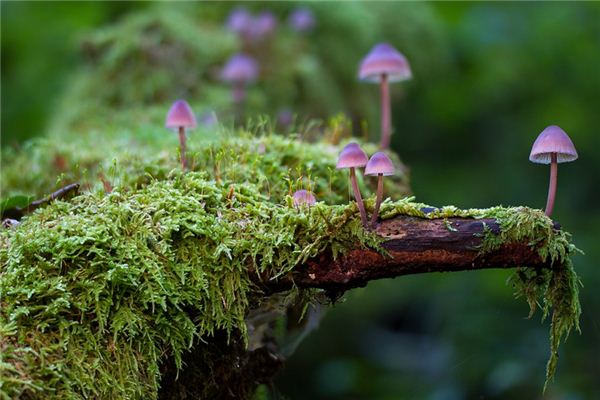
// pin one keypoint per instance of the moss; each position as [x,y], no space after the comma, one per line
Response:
[98,291]
[557,289]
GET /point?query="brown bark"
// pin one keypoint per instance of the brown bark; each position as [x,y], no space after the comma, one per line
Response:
[413,245]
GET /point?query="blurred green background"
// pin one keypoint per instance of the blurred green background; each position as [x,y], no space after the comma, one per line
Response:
[488,77]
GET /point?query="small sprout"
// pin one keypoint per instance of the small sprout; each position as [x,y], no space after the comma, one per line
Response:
[304,198]
[552,146]
[352,156]
[105,183]
[302,20]
[379,165]
[239,71]
[181,117]
[382,65]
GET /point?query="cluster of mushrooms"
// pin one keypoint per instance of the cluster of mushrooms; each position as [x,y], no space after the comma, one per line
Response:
[383,64]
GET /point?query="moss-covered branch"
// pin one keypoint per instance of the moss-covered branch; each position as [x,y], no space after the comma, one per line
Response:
[109,295]
[416,245]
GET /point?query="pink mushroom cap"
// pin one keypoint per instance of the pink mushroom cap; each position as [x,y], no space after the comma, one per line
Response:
[239,20]
[352,156]
[240,69]
[304,198]
[379,164]
[302,19]
[553,140]
[180,115]
[384,59]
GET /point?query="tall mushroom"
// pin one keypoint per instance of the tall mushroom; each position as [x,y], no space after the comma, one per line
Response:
[352,156]
[552,146]
[384,64]
[239,71]
[181,117]
[379,165]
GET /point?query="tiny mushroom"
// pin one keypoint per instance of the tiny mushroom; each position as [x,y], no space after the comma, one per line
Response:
[239,21]
[552,146]
[352,156]
[304,198]
[181,117]
[263,25]
[239,71]
[382,65]
[302,19]
[379,165]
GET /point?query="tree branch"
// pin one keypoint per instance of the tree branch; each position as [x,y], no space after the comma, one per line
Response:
[414,245]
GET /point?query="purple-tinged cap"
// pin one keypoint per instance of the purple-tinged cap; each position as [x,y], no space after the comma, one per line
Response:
[304,198]
[240,69]
[352,156]
[553,140]
[239,20]
[263,25]
[384,59]
[285,117]
[180,114]
[302,19]
[379,164]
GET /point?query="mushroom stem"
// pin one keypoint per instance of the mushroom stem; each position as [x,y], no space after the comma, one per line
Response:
[239,96]
[358,197]
[386,122]
[182,145]
[552,186]
[378,200]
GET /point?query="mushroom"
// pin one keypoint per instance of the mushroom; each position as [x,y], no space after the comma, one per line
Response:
[379,165]
[263,25]
[304,198]
[180,117]
[239,21]
[352,156]
[239,71]
[552,146]
[302,19]
[382,65]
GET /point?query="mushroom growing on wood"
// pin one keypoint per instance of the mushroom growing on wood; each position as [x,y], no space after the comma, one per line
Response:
[379,165]
[382,65]
[239,71]
[304,198]
[352,156]
[552,146]
[181,117]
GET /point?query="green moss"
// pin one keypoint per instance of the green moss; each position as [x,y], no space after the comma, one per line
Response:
[557,289]
[97,292]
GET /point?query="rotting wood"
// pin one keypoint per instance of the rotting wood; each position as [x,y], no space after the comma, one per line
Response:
[413,245]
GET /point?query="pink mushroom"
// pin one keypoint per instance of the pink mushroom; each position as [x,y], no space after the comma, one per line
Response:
[552,146]
[302,19]
[382,65]
[352,156]
[239,71]
[181,117]
[304,198]
[379,165]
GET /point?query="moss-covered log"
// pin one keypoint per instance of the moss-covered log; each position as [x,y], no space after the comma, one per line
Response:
[413,246]
[142,282]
